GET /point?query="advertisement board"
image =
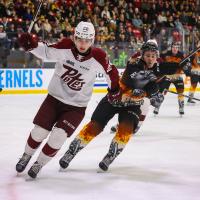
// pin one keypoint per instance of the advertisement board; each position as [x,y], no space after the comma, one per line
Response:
[35,81]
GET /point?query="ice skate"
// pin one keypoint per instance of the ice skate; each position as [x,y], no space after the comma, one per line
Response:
[191,102]
[65,160]
[34,170]
[23,162]
[156,111]
[181,108]
[74,148]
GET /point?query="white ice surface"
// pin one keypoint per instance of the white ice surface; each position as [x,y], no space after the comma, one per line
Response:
[162,162]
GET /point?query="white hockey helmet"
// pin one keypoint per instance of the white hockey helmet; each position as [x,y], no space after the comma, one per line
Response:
[85,30]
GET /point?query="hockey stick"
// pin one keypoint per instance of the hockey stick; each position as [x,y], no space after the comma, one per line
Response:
[183,95]
[182,61]
[35,16]
[189,55]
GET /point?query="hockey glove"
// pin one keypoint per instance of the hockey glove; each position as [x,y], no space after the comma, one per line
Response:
[187,68]
[156,99]
[28,41]
[114,97]
[142,78]
[138,93]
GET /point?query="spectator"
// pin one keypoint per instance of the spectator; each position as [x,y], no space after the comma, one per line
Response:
[137,21]
[2,9]
[3,38]
[12,36]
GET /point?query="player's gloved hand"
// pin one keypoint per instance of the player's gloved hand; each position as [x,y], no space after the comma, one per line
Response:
[142,78]
[114,97]
[156,99]
[28,41]
[138,93]
[187,68]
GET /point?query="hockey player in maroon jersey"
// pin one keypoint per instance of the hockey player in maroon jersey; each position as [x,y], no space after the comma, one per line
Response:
[138,81]
[69,91]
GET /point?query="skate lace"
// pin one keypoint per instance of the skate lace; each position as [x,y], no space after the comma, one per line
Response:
[25,158]
[107,160]
[67,157]
[36,167]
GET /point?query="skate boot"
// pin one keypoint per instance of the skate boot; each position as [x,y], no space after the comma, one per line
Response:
[74,148]
[104,164]
[156,111]
[190,99]
[113,152]
[23,162]
[34,170]
[181,107]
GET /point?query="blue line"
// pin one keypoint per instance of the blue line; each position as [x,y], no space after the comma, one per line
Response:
[100,85]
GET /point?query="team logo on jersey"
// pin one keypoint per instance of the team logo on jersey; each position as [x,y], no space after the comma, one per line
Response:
[72,78]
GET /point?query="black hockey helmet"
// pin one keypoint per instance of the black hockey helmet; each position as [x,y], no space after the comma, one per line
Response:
[175,44]
[150,45]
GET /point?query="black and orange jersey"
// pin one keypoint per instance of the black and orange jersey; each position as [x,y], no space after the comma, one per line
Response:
[159,69]
[195,60]
[170,57]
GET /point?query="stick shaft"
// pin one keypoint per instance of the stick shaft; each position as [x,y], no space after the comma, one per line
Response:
[183,95]
[189,55]
[35,16]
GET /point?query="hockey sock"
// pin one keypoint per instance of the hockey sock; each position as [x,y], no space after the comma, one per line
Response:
[37,135]
[56,139]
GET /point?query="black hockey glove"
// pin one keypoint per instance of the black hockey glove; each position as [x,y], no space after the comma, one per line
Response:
[156,99]
[187,68]
[138,92]
[142,78]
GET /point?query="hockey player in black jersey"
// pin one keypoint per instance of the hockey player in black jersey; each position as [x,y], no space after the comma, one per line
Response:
[137,82]
[173,55]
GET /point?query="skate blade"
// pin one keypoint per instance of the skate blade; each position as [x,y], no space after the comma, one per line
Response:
[62,169]
[19,174]
[29,179]
[191,104]
[101,171]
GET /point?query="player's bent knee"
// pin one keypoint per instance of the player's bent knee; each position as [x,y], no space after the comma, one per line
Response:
[39,134]
[57,138]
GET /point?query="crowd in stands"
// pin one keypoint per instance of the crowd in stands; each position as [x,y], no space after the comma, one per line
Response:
[117,22]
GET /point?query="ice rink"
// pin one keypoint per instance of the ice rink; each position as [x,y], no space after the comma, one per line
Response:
[161,162]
